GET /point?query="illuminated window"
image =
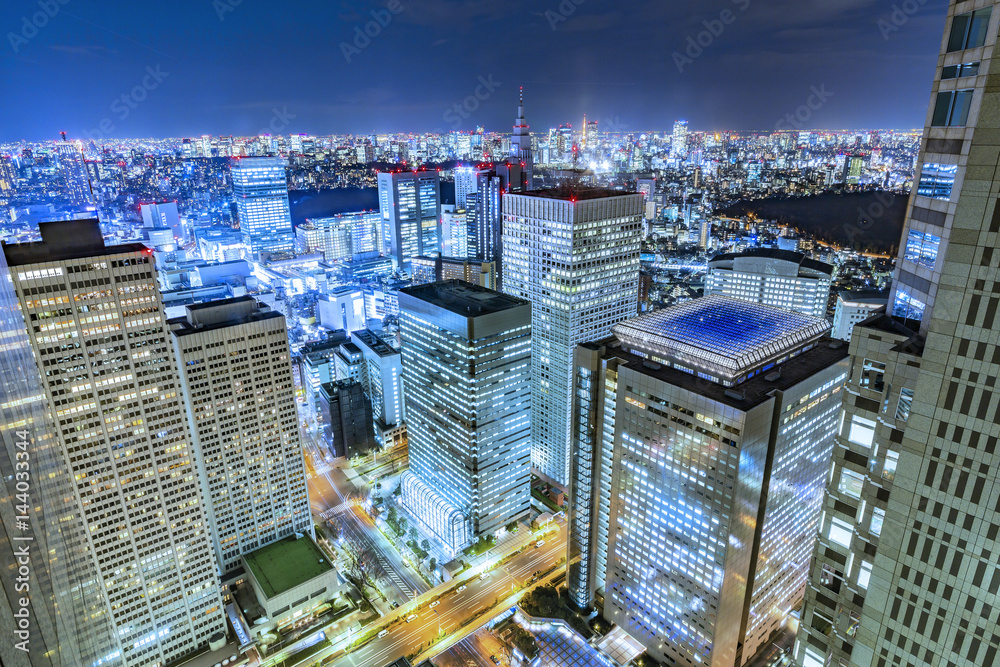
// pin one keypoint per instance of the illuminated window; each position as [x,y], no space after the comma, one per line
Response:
[922,248]
[905,401]
[812,659]
[937,180]
[840,532]
[889,468]
[864,574]
[878,517]
[908,307]
[851,483]
[872,374]
[862,431]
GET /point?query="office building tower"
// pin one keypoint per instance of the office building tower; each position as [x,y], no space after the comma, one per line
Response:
[410,204]
[260,189]
[917,460]
[574,254]
[465,184]
[702,437]
[317,367]
[332,237]
[679,138]
[423,270]
[383,382]
[466,368]
[454,232]
[342,309]
[162,215]
[347,418]
[704,234]
[647,188]
[773,277]
[348,362]
[74,173]
[236,377]
[852,308]
[472,271]
[110,381]
[366,234]
[520,144]
[8,182]
[43,543]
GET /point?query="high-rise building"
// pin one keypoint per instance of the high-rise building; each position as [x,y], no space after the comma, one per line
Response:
[43,544]
[773,277]
[465,185]
[236,377]
[916,461]
[574,254]
[520,143]
[8,183]
[330,236]
[347,418]
[410,203]
[466,366]
[260,189]
[702,437]
[111,383]
[679,138]
[383,381]
[454,232]
[74,172]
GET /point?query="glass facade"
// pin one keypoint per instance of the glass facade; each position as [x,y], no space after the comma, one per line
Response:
[260,189]
[937,180]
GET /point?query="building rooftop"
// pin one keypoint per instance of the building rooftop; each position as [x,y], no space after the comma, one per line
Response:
[463,298]
[775,254]
[371,340]
[864,298]
[287,563]
[66,239]
[721,335]
[577,193]
[219,314]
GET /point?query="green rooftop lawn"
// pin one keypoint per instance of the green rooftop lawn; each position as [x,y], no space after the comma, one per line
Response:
[286,563]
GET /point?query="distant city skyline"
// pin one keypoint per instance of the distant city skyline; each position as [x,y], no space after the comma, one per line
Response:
[218,68]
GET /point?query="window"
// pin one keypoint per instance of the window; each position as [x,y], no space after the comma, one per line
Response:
[905,401]
[872,375]
[889,468]
[937,180]
[862,431]
[958,71]
[878,517]
[908,307]
[952,108]
[812,659]
[851,483]
[864,574]
[922,248]
[969,30]
[840,532]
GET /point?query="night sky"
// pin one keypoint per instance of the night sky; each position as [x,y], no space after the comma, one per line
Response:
[192,67]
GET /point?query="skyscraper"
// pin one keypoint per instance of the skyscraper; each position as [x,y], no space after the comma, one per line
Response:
[574,254]
[905,569]
[679,138]
[520,143]
[74,172]
[410,203]
[466,367]
[383,381]
[702,437]
[781,278]
[163,214]
[236,377]
[260,189]
[98,331]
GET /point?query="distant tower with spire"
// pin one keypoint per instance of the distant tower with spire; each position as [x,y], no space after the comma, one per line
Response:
[520,141]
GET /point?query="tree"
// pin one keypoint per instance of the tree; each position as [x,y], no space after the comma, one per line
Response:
[425,545]
[432,566]
[414,535]
[401,526]
[512,526]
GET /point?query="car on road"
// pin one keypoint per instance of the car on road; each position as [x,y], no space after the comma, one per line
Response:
[496,660]
[411,617]
[383,633]
[435,603]
[484,576]
[539,543]
[461,588]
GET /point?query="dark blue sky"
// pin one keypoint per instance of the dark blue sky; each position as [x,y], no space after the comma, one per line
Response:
[282,64]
